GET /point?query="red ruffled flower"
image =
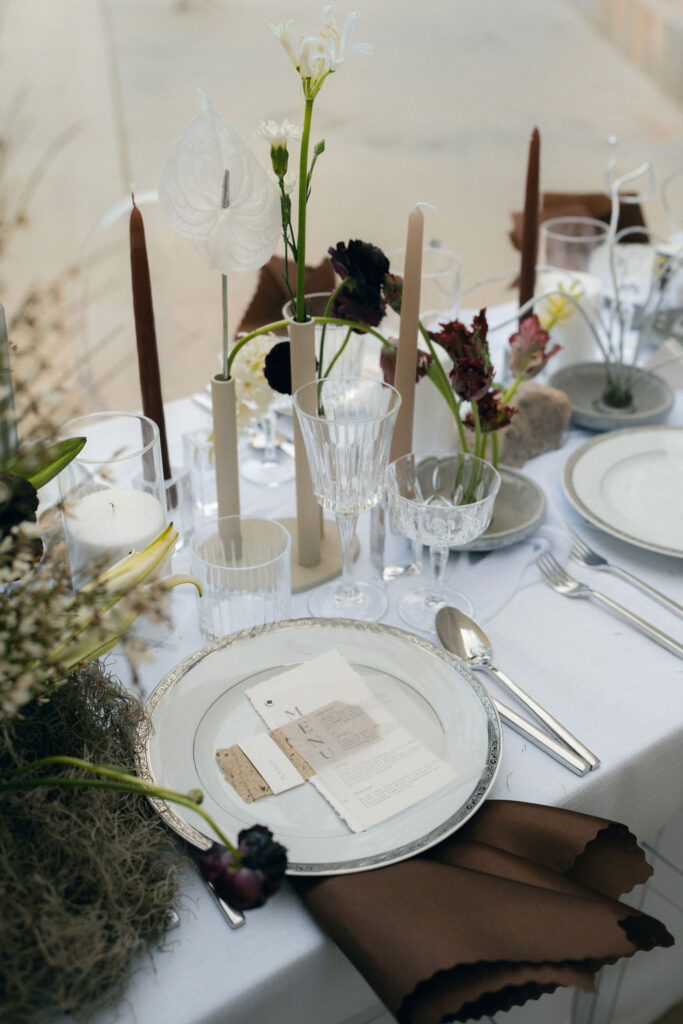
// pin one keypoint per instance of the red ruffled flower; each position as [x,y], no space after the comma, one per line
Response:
[387,362]
[492,413]
[361,298]
[468,348]
[529,350]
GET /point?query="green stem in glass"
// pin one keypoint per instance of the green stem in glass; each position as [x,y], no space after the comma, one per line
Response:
[301,214]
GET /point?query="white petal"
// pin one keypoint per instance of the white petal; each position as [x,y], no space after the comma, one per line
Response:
[242,237]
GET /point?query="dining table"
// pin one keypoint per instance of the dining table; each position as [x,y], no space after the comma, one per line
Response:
[609,684]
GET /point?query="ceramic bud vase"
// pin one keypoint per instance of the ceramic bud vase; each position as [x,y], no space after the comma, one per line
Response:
[225,448]
[308,512]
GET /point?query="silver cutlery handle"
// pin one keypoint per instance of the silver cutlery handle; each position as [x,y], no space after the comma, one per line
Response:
[677,609]
[663,639]
[544,716]
[536,736]
[235,917]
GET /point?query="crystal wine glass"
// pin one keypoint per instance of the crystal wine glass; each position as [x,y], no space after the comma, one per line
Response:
[443,499]
[346,424]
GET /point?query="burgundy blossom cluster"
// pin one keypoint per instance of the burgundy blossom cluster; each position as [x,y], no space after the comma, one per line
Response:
[529,350]
[472,372]
[247,878]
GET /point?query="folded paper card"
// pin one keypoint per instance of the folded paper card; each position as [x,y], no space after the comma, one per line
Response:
[364,762]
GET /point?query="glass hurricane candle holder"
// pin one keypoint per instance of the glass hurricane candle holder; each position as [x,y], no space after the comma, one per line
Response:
[444,500]
[346,424]
[113,492]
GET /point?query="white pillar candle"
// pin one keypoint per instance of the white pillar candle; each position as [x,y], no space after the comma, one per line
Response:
[109,523]
[573,334]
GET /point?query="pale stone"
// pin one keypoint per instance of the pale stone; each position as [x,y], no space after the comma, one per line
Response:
[538,427]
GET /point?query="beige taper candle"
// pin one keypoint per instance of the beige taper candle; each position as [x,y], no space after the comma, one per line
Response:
[406,358]
[308,512]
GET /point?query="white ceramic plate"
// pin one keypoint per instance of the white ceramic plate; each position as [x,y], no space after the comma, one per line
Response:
[630,484]
[201,705]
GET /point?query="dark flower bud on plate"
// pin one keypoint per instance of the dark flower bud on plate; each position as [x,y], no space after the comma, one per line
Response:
[245,879]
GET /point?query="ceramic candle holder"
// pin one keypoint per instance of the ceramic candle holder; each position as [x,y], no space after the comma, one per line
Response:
[113,494]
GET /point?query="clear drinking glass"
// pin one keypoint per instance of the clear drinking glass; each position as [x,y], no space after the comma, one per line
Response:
[244,567]
[574,243]
[350,362]
[440,285]
[443,499]
[346,424]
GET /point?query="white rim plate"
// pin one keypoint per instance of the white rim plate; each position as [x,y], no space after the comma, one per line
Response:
[200,705]
[629,483]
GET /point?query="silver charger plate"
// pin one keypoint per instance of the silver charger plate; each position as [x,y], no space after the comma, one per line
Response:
[201,705]
[630,484]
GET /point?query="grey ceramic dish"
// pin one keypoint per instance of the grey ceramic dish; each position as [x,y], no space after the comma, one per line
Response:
[583,383]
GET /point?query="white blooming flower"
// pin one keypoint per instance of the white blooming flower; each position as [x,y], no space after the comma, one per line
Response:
[236,238]
[253,393]
[278,134]
[315,57]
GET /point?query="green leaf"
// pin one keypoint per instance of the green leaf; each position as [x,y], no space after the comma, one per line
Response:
[41,463]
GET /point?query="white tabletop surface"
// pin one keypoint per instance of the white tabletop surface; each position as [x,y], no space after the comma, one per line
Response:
[614,688]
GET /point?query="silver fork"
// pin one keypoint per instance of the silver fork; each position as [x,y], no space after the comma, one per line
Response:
[565,584]
[586,556]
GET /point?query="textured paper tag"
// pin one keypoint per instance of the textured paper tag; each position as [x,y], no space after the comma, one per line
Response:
[240,773]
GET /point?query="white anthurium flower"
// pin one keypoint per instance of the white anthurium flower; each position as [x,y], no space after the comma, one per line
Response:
[235,239]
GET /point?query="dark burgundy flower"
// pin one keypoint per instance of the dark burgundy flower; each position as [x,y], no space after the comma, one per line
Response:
[529,350]
[365,267]
[393,291]
[278,368]
[387,362]
[248,878]
[492,413]
[468,348]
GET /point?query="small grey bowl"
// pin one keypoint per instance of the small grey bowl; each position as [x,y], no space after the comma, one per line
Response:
[584,383]
[518,511]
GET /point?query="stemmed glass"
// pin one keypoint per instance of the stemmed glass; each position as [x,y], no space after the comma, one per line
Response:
[443,499]
[346,424]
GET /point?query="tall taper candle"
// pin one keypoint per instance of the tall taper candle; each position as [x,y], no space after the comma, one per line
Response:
[527,274]
[148,357]
[406,357]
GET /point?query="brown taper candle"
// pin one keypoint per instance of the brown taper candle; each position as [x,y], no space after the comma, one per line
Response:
[527,276]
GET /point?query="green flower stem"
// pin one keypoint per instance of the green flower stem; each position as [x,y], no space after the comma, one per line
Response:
[440,378]
[301,213]
[509,393]
[123,783]
[328,310]
[343,345]
[477,430]
[276,326]
[495,449]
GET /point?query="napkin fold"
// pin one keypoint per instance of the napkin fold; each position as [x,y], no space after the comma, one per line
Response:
[521,900]
[271,291]
[582,204]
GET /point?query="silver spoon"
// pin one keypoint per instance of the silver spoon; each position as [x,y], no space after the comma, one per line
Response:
[467,640]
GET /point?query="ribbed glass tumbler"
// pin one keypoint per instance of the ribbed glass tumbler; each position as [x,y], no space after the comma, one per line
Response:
[346,424]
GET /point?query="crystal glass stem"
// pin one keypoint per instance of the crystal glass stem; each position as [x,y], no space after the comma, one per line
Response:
[269,428]
[347,590]
[438,560]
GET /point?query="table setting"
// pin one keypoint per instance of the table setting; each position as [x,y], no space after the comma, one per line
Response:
[387,767]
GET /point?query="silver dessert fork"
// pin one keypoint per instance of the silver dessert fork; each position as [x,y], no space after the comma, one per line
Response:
[586,556]
[565,584]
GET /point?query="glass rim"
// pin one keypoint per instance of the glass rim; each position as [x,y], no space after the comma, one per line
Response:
[213,524]
[391,472]
[338,381]
[547,228]
[105,414]
[287,313]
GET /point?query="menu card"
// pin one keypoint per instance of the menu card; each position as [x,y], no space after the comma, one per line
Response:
[344,739]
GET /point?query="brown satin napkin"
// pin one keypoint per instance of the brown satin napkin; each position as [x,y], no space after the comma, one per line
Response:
[271,291]
[582,204]
[519,901]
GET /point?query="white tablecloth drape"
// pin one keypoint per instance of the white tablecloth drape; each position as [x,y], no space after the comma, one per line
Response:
[610,685]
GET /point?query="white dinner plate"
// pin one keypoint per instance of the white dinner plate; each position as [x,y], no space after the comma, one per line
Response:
[201,705]
[630,484]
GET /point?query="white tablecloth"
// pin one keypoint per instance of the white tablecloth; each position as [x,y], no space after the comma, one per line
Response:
[618,691]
